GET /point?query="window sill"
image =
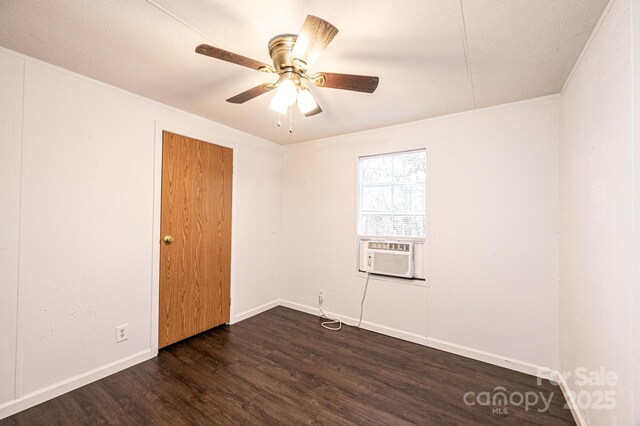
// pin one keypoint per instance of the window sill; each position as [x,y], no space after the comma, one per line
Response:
[418,282]
[380,238]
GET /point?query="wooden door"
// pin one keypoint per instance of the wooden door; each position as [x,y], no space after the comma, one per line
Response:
[195,268]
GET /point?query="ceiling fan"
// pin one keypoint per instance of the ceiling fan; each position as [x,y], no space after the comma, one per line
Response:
[292,56]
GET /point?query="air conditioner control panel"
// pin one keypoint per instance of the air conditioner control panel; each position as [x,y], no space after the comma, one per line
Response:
[378,245]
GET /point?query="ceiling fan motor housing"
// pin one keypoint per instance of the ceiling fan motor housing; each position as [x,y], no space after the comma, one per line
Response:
[280,48]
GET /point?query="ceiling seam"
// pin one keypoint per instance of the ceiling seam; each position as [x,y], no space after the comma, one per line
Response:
[183,22]
[466,53]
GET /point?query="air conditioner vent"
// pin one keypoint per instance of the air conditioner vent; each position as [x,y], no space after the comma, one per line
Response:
[390,258]
[391,263]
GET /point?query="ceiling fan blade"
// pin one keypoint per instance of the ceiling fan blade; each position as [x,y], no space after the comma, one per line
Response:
[318,110]
[215,52]
[357,83]
[313,38]
[250,94]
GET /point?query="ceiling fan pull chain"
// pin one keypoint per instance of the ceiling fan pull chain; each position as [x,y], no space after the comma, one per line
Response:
[290,119]
[279,123]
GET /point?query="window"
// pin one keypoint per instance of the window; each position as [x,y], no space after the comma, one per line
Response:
[392,195]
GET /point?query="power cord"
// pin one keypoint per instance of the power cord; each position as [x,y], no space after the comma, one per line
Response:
[330,324]
[364,296]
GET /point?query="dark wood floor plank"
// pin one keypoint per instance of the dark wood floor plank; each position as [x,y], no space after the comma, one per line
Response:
[281,367]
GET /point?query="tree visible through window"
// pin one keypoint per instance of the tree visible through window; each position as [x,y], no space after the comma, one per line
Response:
[392,195]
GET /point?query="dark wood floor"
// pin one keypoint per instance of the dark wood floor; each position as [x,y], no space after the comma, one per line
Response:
[281,367]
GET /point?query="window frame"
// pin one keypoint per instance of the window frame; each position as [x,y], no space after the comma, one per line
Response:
[361,236]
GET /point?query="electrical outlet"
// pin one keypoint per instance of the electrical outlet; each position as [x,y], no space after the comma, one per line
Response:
[122,333]
[321,298]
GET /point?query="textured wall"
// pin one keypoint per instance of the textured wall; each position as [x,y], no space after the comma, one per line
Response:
[11,79]
[494,223]
[596,193]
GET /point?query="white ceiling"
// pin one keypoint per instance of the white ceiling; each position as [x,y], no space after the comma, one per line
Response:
[433,57]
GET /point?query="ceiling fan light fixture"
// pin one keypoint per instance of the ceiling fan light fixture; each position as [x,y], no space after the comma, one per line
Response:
[284,97]
[288,90]
[306,101]
[279,104]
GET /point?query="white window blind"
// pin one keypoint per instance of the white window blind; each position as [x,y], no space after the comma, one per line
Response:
[392,195]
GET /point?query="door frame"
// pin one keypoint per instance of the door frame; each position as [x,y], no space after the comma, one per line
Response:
[157,209]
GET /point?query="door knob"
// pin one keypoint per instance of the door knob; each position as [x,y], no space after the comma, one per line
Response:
[168,239]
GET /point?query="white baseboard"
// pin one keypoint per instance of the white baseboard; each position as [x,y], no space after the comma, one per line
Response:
[491,358]
[302,308]
[255,311]
[571,402]
[31,399]
[488,357]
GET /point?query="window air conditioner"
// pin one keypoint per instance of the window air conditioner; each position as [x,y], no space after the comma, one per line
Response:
[392,258]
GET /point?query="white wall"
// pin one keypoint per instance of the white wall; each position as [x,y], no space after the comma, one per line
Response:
[85,258]
[79,210]
[597,214]
[11,77]
[635,371]
[492,224]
